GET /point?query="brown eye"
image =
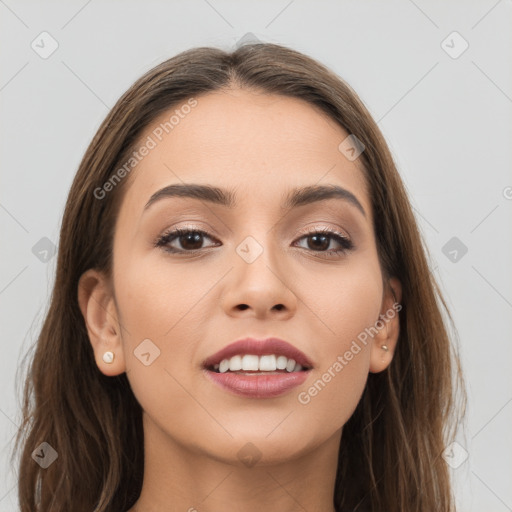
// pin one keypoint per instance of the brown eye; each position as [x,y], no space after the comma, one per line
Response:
[191,241]
[320,240]
[185,240]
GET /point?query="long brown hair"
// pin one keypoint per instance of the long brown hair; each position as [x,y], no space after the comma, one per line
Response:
[391,452]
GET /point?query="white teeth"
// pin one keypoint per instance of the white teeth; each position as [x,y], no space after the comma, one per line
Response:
[235,363]
[281,362]
[266,363]
[250,362]
[290,365]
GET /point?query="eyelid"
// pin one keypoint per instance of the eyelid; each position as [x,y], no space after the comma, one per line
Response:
[326,229]
[207,230]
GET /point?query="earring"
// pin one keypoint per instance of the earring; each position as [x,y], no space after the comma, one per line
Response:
[384,347]
[108,357]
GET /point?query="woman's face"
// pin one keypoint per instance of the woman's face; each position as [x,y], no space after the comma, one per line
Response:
[262,270]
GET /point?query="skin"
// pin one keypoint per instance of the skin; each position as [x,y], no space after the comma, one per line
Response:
[260,146]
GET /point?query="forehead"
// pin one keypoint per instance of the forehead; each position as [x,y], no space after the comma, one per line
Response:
[259,144]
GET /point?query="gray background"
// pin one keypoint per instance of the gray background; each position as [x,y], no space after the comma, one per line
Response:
[447,120]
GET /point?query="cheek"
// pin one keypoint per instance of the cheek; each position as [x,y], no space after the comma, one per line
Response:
[343,301]
[156,297]
[347,305]
[163,302]
[172,304]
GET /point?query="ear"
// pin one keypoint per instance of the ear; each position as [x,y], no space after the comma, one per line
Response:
[387,326]
[96,301]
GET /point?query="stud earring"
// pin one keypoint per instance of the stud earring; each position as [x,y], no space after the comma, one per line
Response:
[108,357]
[384,347]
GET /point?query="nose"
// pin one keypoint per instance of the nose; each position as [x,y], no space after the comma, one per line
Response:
[259,285]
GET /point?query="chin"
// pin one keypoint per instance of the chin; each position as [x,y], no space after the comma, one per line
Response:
[259,448]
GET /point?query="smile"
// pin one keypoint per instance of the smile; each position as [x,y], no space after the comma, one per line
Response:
[258,368]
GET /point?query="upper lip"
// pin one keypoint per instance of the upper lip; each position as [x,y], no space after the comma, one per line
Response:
[257,347]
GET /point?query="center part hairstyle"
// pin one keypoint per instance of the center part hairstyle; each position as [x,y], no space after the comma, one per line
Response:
[391,453]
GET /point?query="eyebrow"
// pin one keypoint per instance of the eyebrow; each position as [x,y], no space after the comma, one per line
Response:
[300,196]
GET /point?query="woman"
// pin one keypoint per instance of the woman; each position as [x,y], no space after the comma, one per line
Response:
[243,314]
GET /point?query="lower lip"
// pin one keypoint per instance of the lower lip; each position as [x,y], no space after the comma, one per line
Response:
[258,386]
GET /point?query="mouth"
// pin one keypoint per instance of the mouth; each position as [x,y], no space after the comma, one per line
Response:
[258,368]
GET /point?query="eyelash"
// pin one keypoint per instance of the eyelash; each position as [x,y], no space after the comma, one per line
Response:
[170,236]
